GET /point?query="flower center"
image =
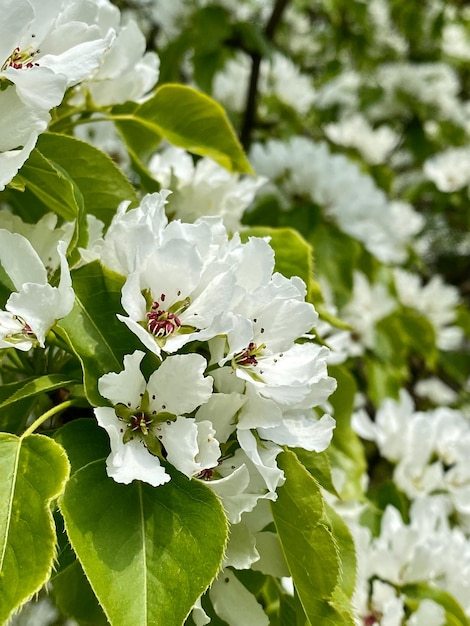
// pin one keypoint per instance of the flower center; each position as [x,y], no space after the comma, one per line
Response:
[162,323]
[20,59]
[249,356]
[16,330]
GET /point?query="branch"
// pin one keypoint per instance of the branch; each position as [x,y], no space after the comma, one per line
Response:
[252,96]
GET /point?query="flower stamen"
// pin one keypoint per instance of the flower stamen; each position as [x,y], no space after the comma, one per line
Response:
[21,59]
[162,323]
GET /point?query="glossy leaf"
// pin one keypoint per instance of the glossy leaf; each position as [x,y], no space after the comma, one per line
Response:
[189,119]
[49,182]
[34,471]
[75,598]
[147,552]
[100,181]
[309,545]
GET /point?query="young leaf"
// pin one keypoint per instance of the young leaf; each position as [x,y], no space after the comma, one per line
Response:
[97,337]
[189,119]
[148,552]
[34,471]
[309,545]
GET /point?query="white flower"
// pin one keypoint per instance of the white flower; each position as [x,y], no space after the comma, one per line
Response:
[147,421]
[204,188]
[176,294]
[45,47]
[131,235]
[127,72]
[436,301]
[301,167]
[35,305]
[44,235]
[356,132]
[369,304]
[20,127]
[449,170]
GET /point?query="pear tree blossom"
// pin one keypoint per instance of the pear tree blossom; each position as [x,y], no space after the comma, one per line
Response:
[234,313]
[35,305]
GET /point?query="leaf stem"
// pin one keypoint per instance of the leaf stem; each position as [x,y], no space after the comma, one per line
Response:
[47,415]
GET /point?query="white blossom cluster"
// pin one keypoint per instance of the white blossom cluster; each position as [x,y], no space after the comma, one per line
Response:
[49,47]
[303,167]
[234,383]
[429,449]
[427,550]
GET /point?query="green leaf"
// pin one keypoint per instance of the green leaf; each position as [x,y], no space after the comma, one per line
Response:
[92,329]
[420,335]
[383,380]
[84,442]
[189,119]
[34,471]
[100,181]
[318,464]
[148,552]
[75,598]
[346,451]
[309,545]
[336,256]
[27,388]
[51,184]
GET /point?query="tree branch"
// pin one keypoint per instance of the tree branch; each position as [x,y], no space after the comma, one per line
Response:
[252,95]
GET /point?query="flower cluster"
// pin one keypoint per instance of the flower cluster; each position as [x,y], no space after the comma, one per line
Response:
[239,376]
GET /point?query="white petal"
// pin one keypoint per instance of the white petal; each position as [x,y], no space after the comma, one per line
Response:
[231,489]
[263,457]
[190,447]
[258,412]
[302,431]
[221,410]
[130,461]
[241,551]
[145,337]
[234,604]
[200,617]
[126,387]
[39,87]
[178,386]
[20,261]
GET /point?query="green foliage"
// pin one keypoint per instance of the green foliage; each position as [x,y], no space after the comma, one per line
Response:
[133,541]
[346,451]
[101,183]
[315,537]
[34,471]
[188,119]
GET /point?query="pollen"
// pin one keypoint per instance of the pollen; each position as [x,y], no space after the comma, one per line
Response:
[21,59]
